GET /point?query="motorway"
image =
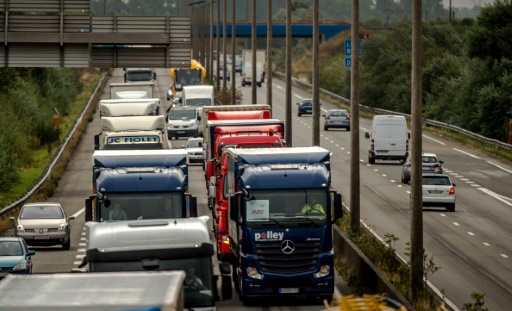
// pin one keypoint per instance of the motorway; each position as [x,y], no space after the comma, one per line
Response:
[471,246]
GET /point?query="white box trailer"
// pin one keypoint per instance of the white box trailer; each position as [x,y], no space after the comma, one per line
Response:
[108,291]
[132,90]
[129,107]
[134,132]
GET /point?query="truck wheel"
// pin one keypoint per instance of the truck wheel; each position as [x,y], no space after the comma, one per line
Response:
[326,128]
[371,160]
[243,83]
[259,84]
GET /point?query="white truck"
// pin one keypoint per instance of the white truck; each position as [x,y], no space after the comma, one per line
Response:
[261,57]
[197,96]
[160,244]
[129,107]
[247,78]
[132,90]
[139,75]
[135,132]
[94,291]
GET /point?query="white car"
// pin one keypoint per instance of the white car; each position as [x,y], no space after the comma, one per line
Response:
[194,149]
[438,190]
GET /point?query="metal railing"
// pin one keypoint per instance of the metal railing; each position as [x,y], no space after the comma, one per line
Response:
[48,170]
[489,141]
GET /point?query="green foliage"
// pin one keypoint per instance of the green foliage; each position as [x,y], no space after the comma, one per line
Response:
[28,99]
[478,303]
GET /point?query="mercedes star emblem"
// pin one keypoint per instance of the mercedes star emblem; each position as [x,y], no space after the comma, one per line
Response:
[287,247]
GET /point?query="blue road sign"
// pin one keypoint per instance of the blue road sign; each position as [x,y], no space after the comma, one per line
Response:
[348,62]
[348,47]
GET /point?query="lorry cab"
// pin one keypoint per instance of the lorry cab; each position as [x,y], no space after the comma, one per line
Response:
[132,90]
[139,75]
[132,132]
[389,139]
[160,245]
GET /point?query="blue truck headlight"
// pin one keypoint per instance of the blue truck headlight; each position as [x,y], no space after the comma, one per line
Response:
[323,272]
[253,273]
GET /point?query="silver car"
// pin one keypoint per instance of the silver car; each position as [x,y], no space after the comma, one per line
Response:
[429,164]
[194,149]
[336,118]
[438,191]
[43,224]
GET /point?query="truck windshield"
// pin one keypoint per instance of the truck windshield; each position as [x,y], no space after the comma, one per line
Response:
[290,206]
[179,114]
[187,77]
[132,206]
[139,75]
[197,294]
[198,102]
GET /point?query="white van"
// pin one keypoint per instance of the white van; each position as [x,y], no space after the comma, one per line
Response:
[389,138]
[184,122]
[247,74]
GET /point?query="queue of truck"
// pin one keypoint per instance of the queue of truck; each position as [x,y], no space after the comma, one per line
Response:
[141,216]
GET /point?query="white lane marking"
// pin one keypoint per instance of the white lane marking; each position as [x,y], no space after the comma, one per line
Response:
[361,160]
[279,87]
[384,175]
[376,169]
[408,192]
[78,213]
[82,244]
[500,167]
[487,244]
[76,263]
[437,141]
[299,97]
[469,182]
[464,179]
[502,198]
[399,186]
[80,256]
[457,224]
[81,250]
[442,215]
[476,185]
[471,233]
[503,255]
[82,238]
[469,154]
[453,173]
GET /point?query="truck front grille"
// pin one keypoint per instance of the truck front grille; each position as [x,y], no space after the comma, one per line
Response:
[303,259]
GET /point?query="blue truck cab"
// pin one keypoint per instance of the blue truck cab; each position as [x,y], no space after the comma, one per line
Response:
[280,248]
[139,184]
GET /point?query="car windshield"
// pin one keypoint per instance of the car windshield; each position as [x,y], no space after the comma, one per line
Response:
[10,248]
[307,103]
[338,113]
[429,159]
[179,114]
[142,75]
[194,143]
[42,212]
[436,180]
[187,77]
[198,102]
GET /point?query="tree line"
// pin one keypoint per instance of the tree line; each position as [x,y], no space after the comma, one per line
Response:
[29,97]
[467,71]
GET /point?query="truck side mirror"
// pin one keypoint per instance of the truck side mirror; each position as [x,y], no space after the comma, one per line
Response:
[367,135]
[88,208]
[233,207]
[409,135]
[193,206]
[338,208]
[154,75]
[212,186]
[97,142]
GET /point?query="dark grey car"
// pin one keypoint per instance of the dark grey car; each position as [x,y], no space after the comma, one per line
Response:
[429,163]
[336,118]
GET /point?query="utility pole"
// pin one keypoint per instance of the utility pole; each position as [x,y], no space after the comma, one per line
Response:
[217,39]
[224,48]
[355,208]
[233,53]
[316,84]
[288,78]
[210,54]
[416,229]
[268,73]
[253,47]
[450,10]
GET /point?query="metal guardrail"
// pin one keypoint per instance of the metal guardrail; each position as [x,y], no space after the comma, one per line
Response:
[48,170]
[493,142]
